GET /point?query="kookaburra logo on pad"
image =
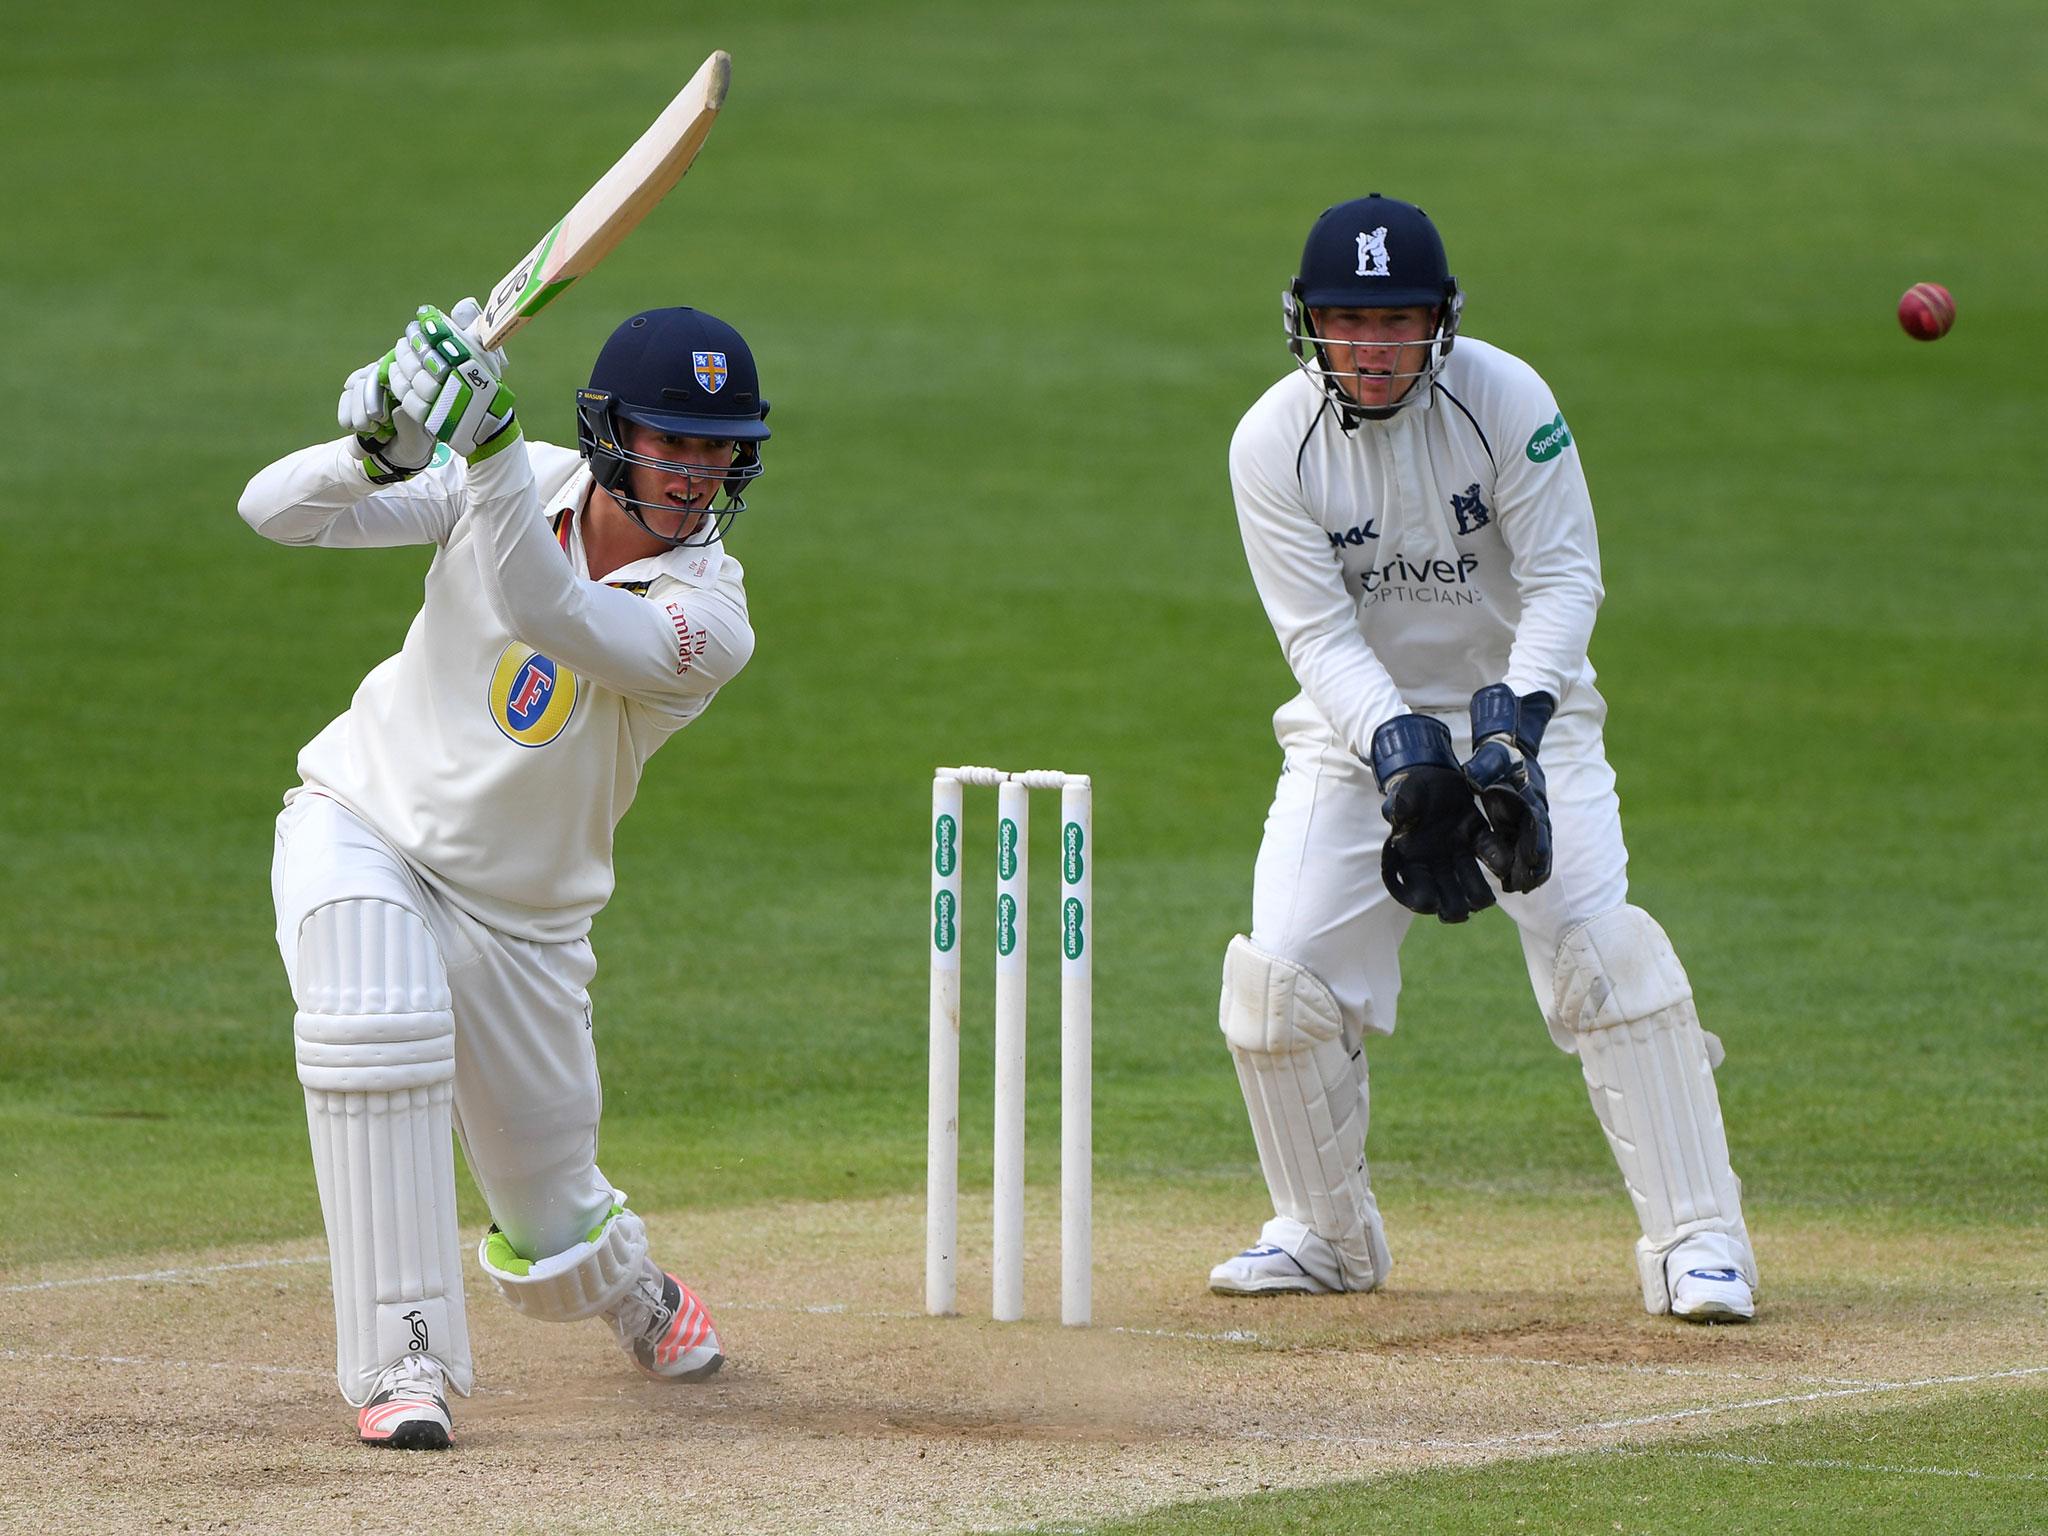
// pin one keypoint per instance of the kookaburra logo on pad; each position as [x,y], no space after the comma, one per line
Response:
[1372,253]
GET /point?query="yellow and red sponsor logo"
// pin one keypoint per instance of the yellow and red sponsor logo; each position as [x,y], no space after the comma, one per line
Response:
[531,696]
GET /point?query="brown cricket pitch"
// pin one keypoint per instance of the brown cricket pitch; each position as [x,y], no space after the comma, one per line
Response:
[206,1401]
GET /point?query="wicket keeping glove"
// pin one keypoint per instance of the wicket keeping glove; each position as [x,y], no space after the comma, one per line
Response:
[450,385]
[1506,730]
[1428,861]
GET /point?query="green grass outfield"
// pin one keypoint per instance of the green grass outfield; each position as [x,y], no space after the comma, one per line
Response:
[1012,274]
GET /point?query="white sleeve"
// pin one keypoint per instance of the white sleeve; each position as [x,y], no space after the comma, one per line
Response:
[1302,585]
[1546,521]
[320,496]
[671,649]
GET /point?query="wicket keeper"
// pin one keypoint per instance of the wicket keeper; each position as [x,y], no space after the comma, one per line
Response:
[1418,526]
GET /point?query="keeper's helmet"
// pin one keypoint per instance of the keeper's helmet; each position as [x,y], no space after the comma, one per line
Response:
[679,371]
[1371,253]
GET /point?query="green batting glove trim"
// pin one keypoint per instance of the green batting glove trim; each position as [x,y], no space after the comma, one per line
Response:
[458,407]
[442,335]
[504,438]
[374,469]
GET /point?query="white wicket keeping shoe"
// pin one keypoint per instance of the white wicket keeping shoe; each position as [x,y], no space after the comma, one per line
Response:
[1287,1259]
[665,1328]
[1712,1296]
[409,1409]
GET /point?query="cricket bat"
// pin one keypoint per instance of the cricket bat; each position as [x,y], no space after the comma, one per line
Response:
[608,212]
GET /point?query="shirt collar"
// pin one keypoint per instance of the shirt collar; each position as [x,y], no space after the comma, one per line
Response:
[698,565]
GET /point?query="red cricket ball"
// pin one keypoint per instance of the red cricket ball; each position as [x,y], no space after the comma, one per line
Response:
[1926,311]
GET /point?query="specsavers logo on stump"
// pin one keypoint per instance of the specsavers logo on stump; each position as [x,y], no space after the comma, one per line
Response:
[531,697]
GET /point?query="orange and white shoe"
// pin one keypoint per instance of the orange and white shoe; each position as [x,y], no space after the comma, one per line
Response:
[665,1328]
[409,1409]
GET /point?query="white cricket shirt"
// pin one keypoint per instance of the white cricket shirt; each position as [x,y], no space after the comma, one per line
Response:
[499,748]
[1409,562]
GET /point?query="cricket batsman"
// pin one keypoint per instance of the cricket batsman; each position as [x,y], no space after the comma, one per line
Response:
[1418,526]
[439,862]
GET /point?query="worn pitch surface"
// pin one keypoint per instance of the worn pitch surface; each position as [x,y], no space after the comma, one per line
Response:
[193,1391]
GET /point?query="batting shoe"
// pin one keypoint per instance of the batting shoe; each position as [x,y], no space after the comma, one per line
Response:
[409,1409]
[1287,1259]
[665,1328]
[1712,1296]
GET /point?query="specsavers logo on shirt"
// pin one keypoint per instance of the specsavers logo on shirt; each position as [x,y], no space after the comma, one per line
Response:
[1549,440]
[531,697]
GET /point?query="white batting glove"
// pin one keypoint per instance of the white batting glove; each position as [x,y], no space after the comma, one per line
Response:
[365,407]
[451,387]
[392,445]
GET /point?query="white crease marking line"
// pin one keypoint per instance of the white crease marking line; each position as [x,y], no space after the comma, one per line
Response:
[1246,1336]
[843,1309]
[1229,1336]
[59,1357]
[1641,1421]
[1828,1464]
[1757,1402]
[1625,1368]
[159,1274]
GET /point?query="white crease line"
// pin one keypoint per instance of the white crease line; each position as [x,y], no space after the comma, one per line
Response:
[1362,1441]
[1232,1336]
[58,1357]
[1626,1367]
[842,1309]
[817,1309]
[1495,1442]
[1757,1402]
[158,1274]
[1826,1464]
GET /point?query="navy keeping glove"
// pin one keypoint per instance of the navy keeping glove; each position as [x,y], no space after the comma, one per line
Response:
[1428,862]
[1502,771]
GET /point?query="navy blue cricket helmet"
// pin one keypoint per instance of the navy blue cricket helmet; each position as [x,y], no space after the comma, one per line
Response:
[1371,253]
[679,371]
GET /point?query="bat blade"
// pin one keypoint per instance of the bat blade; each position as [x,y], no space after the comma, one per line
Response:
[608,212]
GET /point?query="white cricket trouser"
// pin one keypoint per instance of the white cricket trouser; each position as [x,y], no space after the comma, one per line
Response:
[1317,895]
[527,1097]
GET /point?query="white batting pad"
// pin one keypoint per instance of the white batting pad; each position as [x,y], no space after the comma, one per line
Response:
[1306,1093]
[577,1283]
[1650,1071]
[376,1050]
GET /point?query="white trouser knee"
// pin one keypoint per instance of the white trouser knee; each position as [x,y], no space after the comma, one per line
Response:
[1649,1069]
[582,1281]
[1305,1090]
[375,1039]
